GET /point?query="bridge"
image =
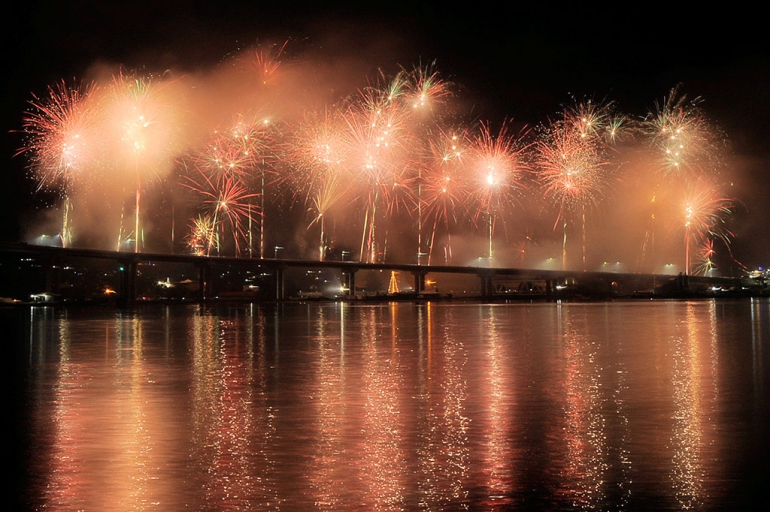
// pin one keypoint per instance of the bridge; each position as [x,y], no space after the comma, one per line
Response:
[491,282]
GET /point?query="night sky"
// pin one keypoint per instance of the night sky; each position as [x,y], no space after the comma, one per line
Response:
[521,63]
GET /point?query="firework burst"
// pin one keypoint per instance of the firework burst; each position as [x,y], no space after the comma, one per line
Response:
[704,213]
[571,163]
[59,134]
[443,191]
[238,156]
[60,142]
[235,151]
[379,143]
[319,166]
[569,170]
[140,127]
[383,159]
[496,168]
[705,263]
[267,61]
[228,203]
[317,150]
[426,89]
[685,143]
[202,235]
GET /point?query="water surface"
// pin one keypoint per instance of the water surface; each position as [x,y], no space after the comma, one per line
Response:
[638,405]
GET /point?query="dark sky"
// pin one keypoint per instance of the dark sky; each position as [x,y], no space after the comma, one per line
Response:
[510,62]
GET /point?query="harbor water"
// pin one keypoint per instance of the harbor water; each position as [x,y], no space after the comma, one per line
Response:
[619,405]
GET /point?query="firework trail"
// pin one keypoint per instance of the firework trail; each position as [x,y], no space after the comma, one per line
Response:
[426,89]
[496,171]
[366,149]
[426,92]
[678,133]
[202,235]
[379,143]
[138,125]
[267,61]
[571,164]
[268,173]
[228,203]
[327,195]
[686,147]
[704,257]
[391,157]
[705,210]
[443,189]
[319,157]
[234,152]
[59,131]
[240,153]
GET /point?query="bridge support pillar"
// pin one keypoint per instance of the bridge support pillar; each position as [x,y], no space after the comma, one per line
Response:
[205,281]
[280,290]
[128,281]
[349,280]
[52,278]
[487,288]
[419,281]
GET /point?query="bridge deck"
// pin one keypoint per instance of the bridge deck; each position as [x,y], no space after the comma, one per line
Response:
[127,275]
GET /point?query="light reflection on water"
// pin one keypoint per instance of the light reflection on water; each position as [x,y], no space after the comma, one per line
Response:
[399,406]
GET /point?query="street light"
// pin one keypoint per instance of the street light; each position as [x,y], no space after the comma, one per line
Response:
[277,248]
